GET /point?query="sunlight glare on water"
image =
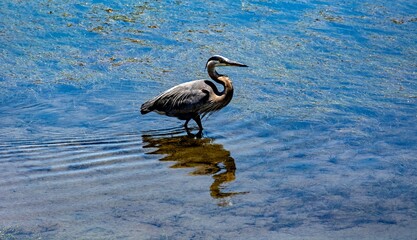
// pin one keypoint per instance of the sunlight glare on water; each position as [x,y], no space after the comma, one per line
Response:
[319,141]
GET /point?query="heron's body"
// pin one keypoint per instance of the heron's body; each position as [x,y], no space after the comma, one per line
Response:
[195,99]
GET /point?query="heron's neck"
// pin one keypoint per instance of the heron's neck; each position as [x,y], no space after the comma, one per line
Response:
[224,80]
[211,70]
[219,78]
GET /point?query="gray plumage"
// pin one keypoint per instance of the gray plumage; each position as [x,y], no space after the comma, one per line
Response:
[195,99]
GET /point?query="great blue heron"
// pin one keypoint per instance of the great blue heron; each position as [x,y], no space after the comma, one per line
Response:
[195,99]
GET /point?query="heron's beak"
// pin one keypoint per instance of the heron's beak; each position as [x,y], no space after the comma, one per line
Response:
[236,64]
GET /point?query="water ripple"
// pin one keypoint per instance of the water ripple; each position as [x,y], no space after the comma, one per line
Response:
[70,158]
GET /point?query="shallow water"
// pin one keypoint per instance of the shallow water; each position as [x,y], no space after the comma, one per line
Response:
[319,141]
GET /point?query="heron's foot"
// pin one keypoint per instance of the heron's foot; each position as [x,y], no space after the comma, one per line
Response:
[200,127]
[199,134]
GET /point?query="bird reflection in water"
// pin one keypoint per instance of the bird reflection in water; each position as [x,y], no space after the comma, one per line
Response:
[206,157]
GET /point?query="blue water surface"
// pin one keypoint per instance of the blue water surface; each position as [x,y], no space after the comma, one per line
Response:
[319,141]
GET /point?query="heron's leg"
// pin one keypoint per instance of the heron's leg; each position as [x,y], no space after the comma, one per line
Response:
[197,119]
[187,129]
[186,124]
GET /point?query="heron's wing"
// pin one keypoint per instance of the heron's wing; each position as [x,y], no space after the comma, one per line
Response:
[183,99]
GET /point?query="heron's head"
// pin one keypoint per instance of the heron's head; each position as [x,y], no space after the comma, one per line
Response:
[219,61]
